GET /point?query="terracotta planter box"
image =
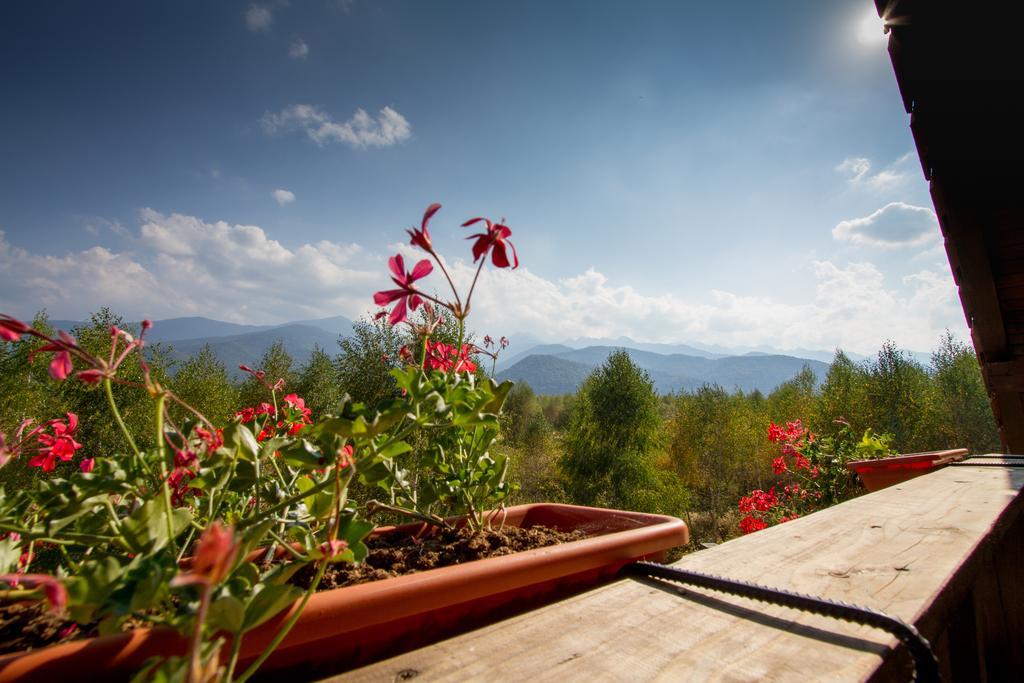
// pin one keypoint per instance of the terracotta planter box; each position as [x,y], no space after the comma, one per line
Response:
[884,472]
[351,626]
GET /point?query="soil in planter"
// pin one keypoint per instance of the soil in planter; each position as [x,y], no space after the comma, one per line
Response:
[27,626]
[389,557]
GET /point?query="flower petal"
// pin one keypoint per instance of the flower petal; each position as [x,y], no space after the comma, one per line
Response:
[422,269]
[428,214]
[398,313]
[387,296]
[397,265]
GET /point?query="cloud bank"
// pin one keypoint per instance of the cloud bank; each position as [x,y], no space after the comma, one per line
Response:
[176,265]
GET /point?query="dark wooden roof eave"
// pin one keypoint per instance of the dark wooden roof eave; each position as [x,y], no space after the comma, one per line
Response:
[959,69]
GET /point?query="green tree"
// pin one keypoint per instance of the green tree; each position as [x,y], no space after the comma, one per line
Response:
[795,398]
[318,383]
[521,407]
[609,444]
[898,390]
[364,365]
[843,397]
[203,383]
[961,414]
[718,446]
[278,364]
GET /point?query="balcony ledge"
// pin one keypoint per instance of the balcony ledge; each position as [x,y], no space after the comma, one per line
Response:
[944,551]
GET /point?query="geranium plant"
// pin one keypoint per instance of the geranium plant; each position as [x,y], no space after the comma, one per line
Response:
[810,473]
[206,530]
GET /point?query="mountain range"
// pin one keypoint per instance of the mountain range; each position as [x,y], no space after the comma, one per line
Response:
[547,368]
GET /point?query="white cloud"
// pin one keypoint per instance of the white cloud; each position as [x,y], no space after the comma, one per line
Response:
[895,225]
[360,131]
[298,49]
[176,265]
[283,197]
[857,167]
[259,18]
[893,176]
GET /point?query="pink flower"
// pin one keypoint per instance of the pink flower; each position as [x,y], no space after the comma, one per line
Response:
[53,589]
[503,342]
[265,409]
[87,465]
[495,241]
[61,444]
[421,238]
[214,558]
[91,376]
[11,329]
[331,549]
[60,366]
[406,296]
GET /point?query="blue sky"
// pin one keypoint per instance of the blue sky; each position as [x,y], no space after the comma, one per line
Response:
[739,173]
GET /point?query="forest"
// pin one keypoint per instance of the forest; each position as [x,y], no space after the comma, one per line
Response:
[614,443]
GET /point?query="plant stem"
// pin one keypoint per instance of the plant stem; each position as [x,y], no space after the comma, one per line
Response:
[283,633]
[448,278]
[195,651]
[374,505]
[236,647]
[108,388]
[160,401]
[260,516]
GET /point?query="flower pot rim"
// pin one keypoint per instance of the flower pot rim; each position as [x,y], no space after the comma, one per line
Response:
[936,458]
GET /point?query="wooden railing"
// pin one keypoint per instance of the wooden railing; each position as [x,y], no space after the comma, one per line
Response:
[944,552]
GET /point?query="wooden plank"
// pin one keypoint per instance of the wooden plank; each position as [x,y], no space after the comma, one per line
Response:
[914,550]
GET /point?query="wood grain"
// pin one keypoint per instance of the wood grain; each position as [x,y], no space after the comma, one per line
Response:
[917,551]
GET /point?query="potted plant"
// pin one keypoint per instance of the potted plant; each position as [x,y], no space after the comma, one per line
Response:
[880,473]
[201,556]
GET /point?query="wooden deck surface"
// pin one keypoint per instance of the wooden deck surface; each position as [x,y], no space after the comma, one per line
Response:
[931,551]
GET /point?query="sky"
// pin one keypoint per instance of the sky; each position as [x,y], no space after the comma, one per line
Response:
[738,174]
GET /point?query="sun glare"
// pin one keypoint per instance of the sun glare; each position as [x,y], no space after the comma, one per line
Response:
[871,29]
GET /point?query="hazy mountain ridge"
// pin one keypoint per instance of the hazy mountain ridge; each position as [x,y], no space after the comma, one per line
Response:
[548,368]
[560,373]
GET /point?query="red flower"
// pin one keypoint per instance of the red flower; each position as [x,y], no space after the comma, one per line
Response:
[345,457]
[12,329]
[60,366]
[87,465]
[421,238]
[749,525]
[212,439]
[779,465]
[495,241]
[215,555]
[247,414]
[61,444]
[406,296]
[265,409]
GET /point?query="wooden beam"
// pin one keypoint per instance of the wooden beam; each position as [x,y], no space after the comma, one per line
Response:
[924,551]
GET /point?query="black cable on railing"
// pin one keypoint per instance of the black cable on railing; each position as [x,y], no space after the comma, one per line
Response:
[926,666]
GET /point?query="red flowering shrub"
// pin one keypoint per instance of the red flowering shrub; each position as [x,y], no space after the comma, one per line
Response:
[811,473]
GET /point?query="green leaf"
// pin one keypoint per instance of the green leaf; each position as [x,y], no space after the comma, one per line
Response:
[321,505]
[145,530]
[267,603]
[227,613]
[394,449]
